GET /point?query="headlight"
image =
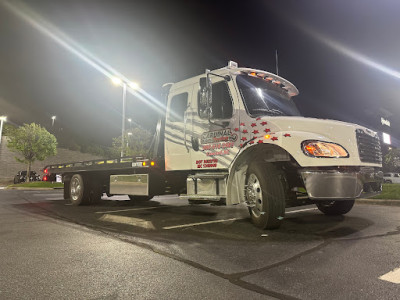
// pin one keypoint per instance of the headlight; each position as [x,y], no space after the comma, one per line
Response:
[323,149]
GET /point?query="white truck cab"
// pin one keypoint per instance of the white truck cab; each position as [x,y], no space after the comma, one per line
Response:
[240,138]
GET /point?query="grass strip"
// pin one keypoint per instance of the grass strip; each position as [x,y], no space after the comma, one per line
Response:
[38,184]
[389,191]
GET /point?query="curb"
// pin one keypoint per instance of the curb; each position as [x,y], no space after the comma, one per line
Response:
[388,202]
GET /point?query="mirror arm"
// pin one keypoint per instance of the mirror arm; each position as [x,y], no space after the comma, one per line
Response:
[226,77]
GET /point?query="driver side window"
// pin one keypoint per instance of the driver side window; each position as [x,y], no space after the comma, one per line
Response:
[177,108]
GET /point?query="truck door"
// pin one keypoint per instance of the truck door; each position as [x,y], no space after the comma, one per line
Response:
[215,134]
[177,140]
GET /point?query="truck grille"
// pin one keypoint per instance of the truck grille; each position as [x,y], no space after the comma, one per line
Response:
[369,147]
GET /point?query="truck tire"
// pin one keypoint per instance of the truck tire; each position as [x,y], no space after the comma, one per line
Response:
[265,191]
[335,208]
[139,198]
[95,194]
[67,181]
[79,193]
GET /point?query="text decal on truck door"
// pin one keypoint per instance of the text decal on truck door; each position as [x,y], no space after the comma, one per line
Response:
[223,135]
[219,141]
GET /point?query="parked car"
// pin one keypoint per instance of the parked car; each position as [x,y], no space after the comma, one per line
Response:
[391,178]
[21,177]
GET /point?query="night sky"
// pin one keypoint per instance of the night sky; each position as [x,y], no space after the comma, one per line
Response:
[343,56]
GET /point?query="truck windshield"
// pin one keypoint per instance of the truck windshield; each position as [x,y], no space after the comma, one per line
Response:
[263,98]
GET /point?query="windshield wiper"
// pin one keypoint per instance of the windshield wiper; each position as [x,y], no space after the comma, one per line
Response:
[273,112]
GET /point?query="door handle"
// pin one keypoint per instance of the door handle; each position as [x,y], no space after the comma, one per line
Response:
[195,143]
[184,130]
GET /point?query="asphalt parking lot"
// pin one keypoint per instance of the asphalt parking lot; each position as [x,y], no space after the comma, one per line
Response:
[311,256]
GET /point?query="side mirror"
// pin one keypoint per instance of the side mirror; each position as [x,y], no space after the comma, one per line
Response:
[205,99]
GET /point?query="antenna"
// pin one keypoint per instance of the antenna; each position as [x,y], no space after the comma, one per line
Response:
[276,61]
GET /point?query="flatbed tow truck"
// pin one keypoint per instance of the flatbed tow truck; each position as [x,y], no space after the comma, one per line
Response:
[234,135]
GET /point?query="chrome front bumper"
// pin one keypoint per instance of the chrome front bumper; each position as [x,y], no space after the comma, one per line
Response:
[337,184]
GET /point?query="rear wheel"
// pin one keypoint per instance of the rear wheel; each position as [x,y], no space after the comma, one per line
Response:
[78,191]
[265,194]
[335,208]
[96,191]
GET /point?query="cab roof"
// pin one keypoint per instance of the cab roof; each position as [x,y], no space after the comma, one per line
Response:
[233,70]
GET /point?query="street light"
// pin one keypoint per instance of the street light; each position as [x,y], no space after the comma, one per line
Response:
[132,85]
[52,120]
[2,119]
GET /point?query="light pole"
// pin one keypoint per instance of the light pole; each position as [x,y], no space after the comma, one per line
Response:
[132,85]
[2,119]
[52,120]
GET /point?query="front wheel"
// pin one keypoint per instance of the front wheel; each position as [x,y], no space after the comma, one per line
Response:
[265,195]
[335,208]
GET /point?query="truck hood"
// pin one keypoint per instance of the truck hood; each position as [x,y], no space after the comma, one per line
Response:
[324,127]
[290,132]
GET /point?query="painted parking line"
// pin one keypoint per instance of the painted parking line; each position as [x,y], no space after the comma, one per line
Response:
[202,223]
[128,209]
[148,224]
[47,195]
[127,221]
[392,276]
[222,221]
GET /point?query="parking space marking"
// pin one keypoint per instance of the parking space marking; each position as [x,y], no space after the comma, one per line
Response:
[128,221]
[202,223]
[47,194]
[128,209]
[300,210]
[392,276]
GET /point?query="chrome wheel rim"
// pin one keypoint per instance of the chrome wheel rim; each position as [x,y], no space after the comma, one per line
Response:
[75,188]
[254,194]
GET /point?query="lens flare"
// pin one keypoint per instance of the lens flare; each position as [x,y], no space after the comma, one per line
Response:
[35,20]
[347,51]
